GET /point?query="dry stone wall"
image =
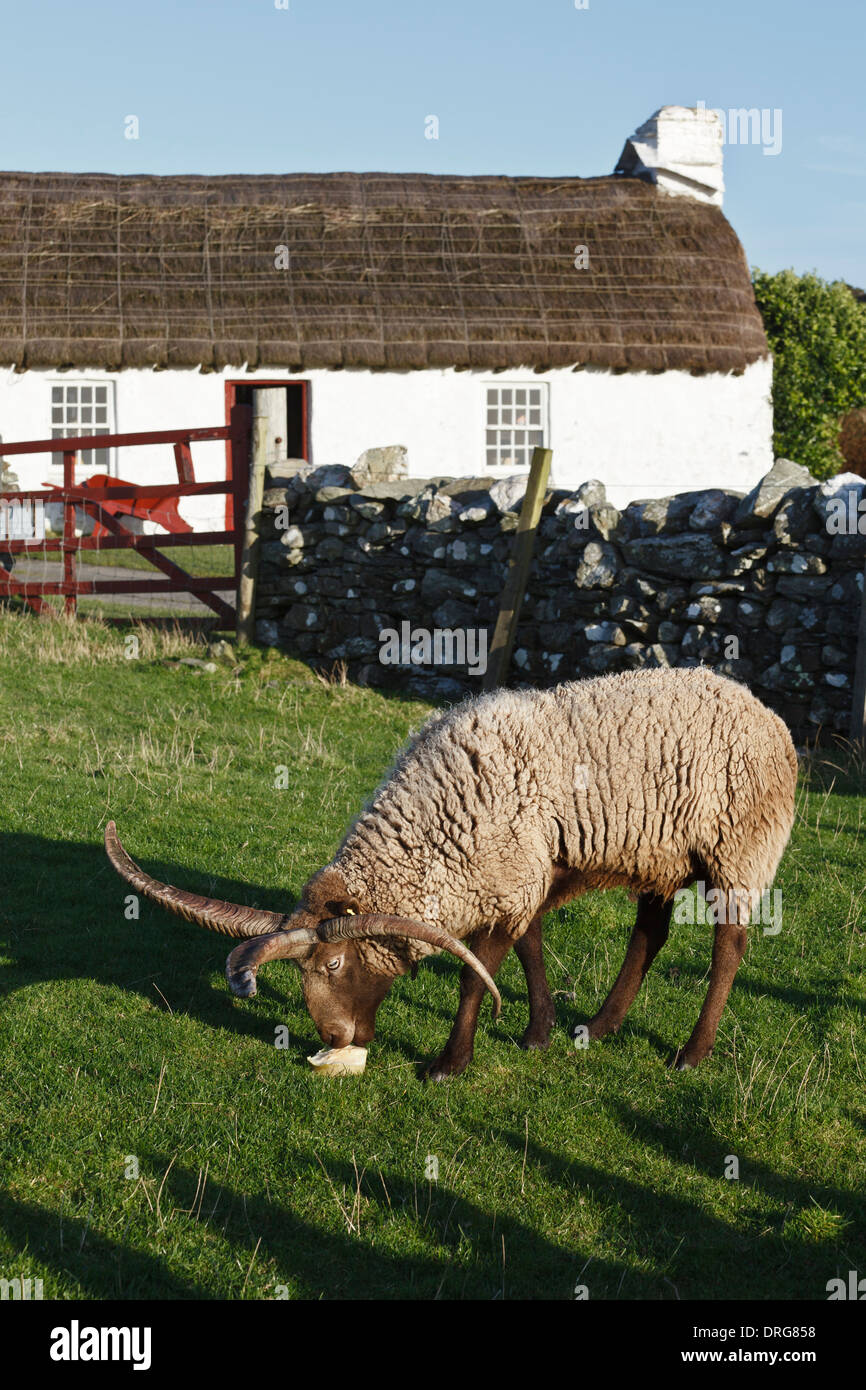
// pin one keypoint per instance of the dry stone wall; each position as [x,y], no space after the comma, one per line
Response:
[764,588]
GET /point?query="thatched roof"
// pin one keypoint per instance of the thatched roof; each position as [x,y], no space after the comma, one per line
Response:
[386,271]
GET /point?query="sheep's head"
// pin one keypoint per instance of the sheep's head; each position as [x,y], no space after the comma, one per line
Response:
[344,977]
[348,957]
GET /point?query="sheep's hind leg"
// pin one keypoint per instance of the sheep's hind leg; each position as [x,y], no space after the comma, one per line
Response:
[491,948]
[649,935]
[729,945]
[542,1013]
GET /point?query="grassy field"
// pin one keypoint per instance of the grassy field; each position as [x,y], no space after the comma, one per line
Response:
[201,560]
[154,1142]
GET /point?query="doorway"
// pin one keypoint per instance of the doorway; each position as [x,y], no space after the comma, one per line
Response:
[288,409]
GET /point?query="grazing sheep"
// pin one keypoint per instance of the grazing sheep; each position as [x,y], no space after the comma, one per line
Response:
[508,806]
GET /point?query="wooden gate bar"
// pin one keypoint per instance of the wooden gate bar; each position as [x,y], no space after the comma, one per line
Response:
[111,441]
[183,462]
[240,447]
[15,589]
[68,544]
[130,540]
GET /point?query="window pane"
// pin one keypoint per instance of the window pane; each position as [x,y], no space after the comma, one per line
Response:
[72,393]
[100,415]
[57,415]
[87,415]
[514,424]
[86,394]
[72,414]
[101,396]
[57,393]
[100,458]
[58,434]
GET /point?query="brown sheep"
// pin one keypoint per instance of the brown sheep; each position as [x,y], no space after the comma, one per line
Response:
[509,805]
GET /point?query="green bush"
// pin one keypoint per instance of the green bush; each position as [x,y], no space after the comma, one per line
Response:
[817,334]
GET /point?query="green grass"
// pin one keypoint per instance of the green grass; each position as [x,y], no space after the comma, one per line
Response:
[120,1046]
[200,560]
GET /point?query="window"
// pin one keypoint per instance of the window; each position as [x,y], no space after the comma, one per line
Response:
[83,408]
[516,424]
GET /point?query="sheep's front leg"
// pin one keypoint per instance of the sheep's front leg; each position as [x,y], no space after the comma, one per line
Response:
[542,1013]
[491,948]
[729,945]
[649,935]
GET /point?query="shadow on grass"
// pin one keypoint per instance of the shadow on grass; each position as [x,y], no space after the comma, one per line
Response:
[690,1149]
[464,1257]
[764,1263]
[462,1250]
[103,1268]
[62,918]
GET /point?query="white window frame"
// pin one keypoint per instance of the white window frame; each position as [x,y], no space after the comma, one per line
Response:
[530,429]
[67,428]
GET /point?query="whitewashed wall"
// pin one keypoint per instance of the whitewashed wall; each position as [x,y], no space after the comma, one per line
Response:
[643,435]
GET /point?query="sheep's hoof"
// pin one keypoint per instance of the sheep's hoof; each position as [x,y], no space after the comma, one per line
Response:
[599,1027]
[535,1040]
[681,1062]
[443,1067]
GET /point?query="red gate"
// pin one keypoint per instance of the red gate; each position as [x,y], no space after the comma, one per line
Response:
[152,498]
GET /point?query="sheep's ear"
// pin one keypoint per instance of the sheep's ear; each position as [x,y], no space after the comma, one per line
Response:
[343,907]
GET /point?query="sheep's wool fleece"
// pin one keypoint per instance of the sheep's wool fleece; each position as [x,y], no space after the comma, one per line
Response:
[648,779]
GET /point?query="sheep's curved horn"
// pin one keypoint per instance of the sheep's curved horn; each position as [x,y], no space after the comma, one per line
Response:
[231,919]
[245,960]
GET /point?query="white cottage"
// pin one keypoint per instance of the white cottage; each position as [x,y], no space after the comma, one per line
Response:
[466,319]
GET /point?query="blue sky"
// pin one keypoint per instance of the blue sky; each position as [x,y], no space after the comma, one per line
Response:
[531,87]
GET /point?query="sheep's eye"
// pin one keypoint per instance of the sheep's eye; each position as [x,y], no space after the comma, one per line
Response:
[334,965]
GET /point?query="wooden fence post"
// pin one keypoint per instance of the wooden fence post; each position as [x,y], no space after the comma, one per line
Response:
[246,619]
[518,570]
[858,705]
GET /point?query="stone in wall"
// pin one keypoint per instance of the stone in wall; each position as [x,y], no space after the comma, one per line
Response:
[381,465]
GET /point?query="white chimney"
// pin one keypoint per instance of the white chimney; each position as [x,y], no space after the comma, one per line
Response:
[680,150]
